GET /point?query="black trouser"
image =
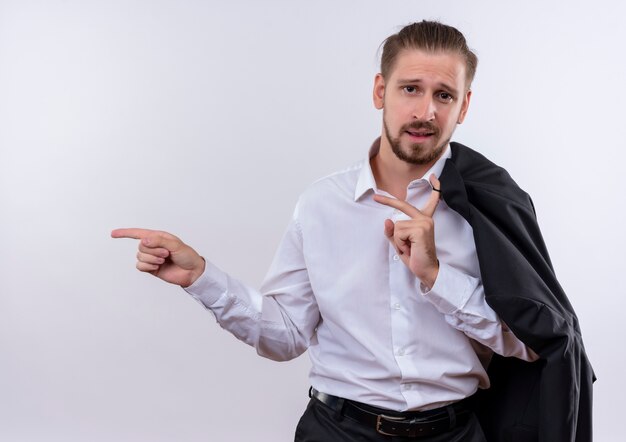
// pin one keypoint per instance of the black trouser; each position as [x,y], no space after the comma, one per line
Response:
[320,423]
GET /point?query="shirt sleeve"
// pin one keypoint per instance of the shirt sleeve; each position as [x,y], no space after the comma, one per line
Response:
[279,320]
[461,299]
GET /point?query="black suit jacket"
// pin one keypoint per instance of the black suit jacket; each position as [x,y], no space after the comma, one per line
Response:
[550,399]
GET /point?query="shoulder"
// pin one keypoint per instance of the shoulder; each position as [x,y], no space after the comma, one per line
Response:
[337,185]
[481,176]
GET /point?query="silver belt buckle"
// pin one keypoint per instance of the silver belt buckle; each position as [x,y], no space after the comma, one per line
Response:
[379,423]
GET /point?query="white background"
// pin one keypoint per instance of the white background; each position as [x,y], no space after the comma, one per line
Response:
[208,119]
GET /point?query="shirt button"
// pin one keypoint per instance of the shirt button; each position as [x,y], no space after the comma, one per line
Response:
[396,306]
[396,257]
[407,386]
[401,352]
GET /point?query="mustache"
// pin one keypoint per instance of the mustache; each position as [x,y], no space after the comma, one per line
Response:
[417,125]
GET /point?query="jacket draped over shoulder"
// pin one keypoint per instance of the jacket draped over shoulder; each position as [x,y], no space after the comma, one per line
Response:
[549,399]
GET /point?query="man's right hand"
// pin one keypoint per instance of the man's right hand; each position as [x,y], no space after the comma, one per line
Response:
[165,256]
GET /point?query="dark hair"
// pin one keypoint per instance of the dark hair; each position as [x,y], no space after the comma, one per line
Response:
[430,36]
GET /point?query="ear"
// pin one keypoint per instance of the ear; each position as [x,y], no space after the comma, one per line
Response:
[379,91]
[464,106]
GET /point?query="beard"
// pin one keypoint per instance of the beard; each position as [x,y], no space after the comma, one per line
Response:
[417,153]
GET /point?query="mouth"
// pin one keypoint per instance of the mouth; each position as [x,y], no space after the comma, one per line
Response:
[419,134]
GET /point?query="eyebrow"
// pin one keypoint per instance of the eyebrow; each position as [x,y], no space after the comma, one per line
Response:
[410,81]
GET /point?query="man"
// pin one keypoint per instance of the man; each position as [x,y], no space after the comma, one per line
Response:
[408,274]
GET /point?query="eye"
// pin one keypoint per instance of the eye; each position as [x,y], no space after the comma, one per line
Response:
[445,97]
[410,89]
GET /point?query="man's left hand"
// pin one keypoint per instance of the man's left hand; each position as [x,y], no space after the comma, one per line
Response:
[414,239]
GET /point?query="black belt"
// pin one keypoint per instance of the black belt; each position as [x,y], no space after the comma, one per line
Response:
[407,424]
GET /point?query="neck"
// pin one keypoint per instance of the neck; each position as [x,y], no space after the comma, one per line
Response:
[392,174]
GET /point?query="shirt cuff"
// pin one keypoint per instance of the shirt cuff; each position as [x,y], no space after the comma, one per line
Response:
[210,286]
[451,291]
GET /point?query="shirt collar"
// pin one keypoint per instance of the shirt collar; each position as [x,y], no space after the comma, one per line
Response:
[366,177]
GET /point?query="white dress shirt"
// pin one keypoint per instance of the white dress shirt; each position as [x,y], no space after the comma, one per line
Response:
[337,288]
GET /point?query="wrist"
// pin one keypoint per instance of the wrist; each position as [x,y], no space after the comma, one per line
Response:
[429,277]
[196,272]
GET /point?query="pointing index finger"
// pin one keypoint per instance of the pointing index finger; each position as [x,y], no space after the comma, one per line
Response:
[150,238]
[409,210]
[131,233]
[402,206]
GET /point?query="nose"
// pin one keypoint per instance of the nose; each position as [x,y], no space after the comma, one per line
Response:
[424,109]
